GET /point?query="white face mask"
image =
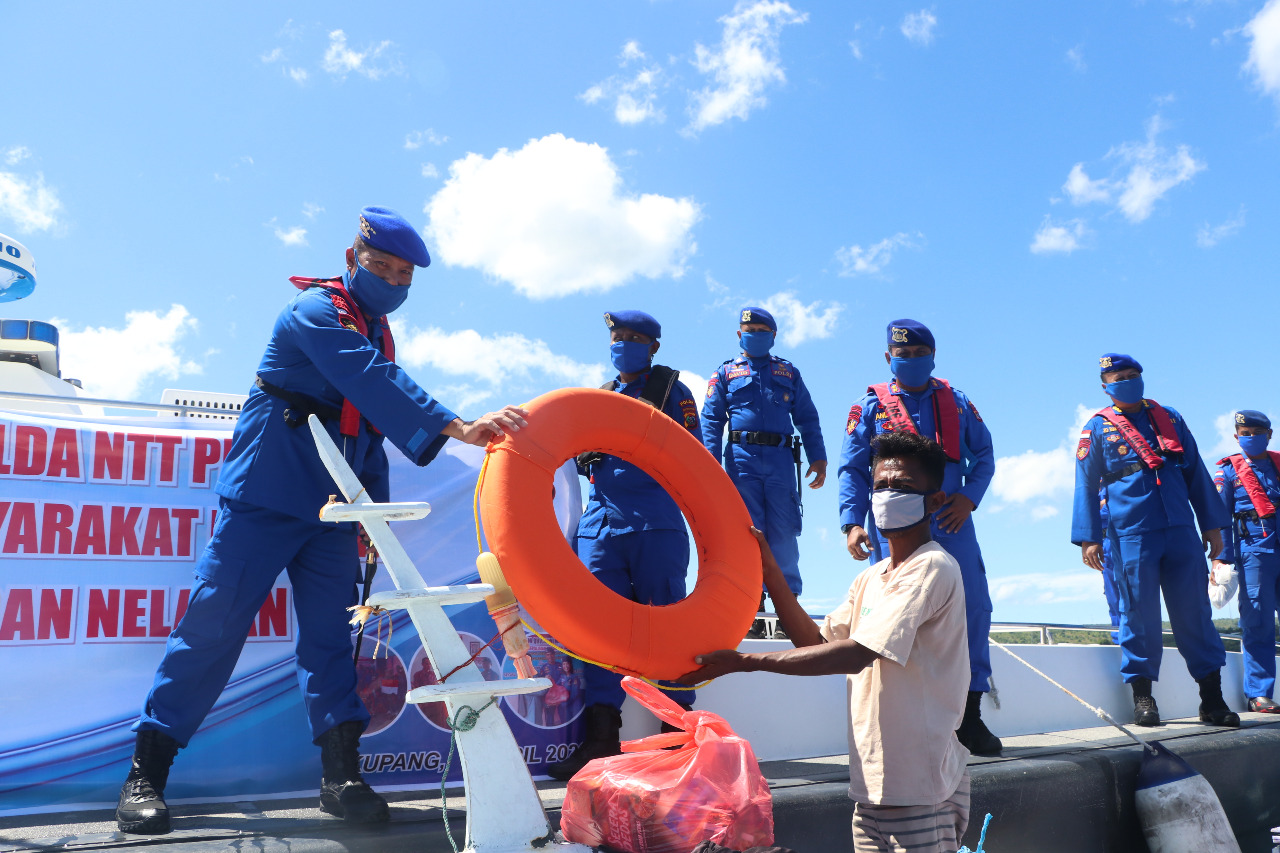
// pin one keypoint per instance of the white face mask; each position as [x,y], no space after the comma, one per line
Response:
[895,510]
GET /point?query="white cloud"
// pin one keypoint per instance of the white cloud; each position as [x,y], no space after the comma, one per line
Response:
[509,362]
[273,56]
[1075,56]
[552,219]
[1152,170]
[1058,238]
[341,60]
[415,139]
[429,170]
[298,75]
[1082,190]
[696,383]
[311,210]
[918,27]
[1209,236]
[746,62]
[798,322]
[856,47]
[634,97]
[120,363]
[855,260]
[1039,477]
[16,154]
[1046,587]
[292,237]
[1264,48]
[28,202]
[721,296]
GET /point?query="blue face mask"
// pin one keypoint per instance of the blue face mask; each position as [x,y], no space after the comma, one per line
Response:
[629,356]
[757,344]
[912,372]
[375,296]
[1126,390]
[1253,445]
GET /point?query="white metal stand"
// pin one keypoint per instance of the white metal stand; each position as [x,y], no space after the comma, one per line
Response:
[504,813]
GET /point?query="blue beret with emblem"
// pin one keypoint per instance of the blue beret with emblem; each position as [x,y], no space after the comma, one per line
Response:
[757,315]
[1252,418]
[636,321]
[1113,361]
[909,333]
[387,231]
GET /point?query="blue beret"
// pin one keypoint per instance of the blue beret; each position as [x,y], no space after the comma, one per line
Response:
[909,333]
[1113,361]
[758,315]
[387,231]
[1252,418]
[636,321]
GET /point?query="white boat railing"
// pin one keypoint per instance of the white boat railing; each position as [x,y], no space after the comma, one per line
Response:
[182,411]
[1046,629]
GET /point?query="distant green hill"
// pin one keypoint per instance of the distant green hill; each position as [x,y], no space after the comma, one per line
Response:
[1103,638]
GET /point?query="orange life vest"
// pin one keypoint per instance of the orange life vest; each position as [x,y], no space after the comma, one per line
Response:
[1166,433]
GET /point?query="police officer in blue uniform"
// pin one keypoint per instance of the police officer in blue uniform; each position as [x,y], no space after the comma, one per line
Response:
[1251,541]
[1143,456]
[631,534]
[1109,571]
[916,401]
[328,355]
[759,396]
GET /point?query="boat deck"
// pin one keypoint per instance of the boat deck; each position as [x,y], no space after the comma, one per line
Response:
[1069,791]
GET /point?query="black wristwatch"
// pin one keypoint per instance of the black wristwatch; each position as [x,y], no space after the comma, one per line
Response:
[845,528]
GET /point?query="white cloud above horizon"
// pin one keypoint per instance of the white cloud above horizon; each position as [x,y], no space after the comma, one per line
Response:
[553,219]
[372,62]
[1263,31]
[1046,587]
[635,95]
[1075,58]
[856,260]
[28,202]
[1144,173]
[292,237]
[1058,238]
[1036,479]
[798,322]
[491,364]
[918,27]
[1208,236]
[119,363]
[415,139]
[743,66]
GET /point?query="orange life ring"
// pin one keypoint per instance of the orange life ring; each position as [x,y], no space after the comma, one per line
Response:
[558,590]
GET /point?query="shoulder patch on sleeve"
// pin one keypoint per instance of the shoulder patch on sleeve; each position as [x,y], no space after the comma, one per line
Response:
[711,384]
[974,409]
[689,411]
[855,417]
[1082,448]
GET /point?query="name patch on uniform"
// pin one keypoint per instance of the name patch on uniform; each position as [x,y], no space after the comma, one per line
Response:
[737,373]
[782,370]
[1082,449]
[855,416]
[348,323]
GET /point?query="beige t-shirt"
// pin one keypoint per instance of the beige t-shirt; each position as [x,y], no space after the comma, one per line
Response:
[904,708]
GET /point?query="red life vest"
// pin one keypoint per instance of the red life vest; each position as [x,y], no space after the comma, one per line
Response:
[351,317]
[1166,433]
[946,415]
[1245,474]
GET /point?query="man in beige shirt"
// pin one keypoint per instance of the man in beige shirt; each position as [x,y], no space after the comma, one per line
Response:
[900,637]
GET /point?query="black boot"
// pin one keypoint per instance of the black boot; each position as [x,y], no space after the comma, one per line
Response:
[604,723]
[343,793]
[973,734]
[758,630]
[1213,708]
[142,808]
[1145,712]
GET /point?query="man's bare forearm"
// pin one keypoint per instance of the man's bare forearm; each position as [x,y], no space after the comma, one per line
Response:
[842,657]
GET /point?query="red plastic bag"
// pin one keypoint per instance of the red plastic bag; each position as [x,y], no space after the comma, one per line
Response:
[654,800]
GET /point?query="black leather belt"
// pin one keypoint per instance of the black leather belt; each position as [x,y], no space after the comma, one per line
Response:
[299,405]
[769,439]
[1251,515]
[1109,478]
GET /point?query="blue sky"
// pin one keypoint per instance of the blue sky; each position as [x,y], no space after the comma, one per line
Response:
[1037,182]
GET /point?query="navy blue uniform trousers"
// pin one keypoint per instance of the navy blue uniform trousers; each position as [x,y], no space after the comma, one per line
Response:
[1172,561]
[1259,590]
[237,570]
